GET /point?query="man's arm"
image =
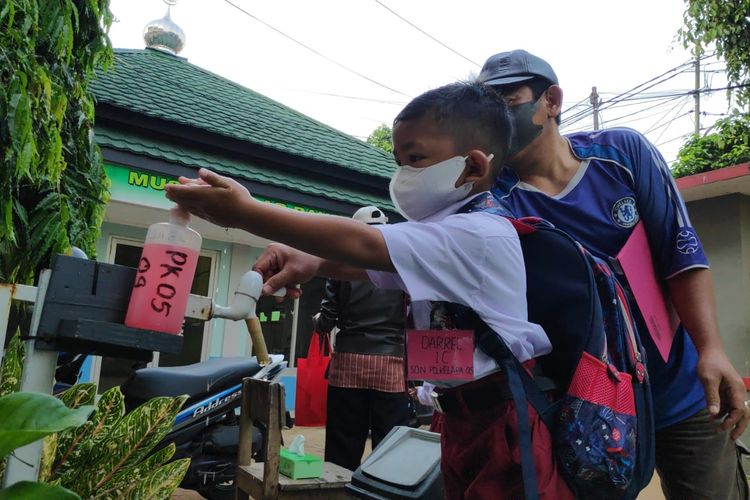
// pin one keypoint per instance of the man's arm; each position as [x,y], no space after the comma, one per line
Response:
[679,257]
[227,203]
[326,319]
[692,294]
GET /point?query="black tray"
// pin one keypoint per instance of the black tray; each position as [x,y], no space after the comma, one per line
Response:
[84,309]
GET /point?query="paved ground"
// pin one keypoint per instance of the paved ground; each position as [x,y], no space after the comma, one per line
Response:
[315,444]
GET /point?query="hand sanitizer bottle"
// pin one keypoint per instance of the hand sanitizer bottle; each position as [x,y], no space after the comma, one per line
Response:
[165,275]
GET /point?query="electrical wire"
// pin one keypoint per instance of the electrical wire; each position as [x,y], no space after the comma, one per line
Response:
[582,101]
[683,136]
[665,76]
[425,33]
[677,94]
[332,61]
[351,97]
[665,126]
[640,111]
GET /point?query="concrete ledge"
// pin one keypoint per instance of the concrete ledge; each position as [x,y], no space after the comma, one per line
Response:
[728,180]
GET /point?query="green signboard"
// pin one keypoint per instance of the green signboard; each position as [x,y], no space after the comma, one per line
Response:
[147,188]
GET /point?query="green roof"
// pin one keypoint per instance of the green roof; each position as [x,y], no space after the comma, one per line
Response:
[240,169]
[160,85]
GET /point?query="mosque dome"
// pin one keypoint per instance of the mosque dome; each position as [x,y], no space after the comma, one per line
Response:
[163,34]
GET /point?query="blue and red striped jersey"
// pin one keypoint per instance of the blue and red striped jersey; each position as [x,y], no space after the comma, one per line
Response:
[622,180]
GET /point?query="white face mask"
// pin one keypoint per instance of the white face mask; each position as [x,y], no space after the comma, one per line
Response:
[420,192]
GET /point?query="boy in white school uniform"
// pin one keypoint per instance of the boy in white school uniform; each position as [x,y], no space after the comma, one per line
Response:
[457,251]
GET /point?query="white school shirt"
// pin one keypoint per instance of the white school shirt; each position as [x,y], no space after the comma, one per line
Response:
[473,259]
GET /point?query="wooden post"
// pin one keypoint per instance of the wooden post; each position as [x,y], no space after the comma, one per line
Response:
[267,405]
[245,449]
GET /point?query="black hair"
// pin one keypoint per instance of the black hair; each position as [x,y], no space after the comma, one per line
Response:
[472,114]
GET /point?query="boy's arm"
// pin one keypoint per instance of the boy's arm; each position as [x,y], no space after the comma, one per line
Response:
[227,203]
[282,266]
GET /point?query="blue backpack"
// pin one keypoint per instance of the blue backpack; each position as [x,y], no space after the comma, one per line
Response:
[602,425]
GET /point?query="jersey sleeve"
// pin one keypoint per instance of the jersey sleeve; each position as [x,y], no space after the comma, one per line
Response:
[674,242]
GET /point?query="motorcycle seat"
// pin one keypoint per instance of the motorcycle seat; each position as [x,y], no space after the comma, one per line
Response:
[195,380]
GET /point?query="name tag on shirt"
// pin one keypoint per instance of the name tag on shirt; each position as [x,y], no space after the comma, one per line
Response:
[440,354]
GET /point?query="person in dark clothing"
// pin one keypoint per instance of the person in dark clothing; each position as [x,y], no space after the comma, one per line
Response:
[366,380]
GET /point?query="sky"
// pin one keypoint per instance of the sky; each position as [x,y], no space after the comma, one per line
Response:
[353,64]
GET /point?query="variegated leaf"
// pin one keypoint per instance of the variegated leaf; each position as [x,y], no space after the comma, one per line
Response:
[109,411]
[160,484]
[129,441]
[79,395]
[128,479]
[77,445]
[12,364]
[49,447]
[69,455]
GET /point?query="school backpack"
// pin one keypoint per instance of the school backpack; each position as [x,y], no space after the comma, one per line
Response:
[602,425]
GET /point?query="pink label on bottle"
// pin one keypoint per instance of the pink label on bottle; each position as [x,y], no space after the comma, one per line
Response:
[161,289]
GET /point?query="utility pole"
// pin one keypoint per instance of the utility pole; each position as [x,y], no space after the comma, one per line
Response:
[697,95]
[594,100]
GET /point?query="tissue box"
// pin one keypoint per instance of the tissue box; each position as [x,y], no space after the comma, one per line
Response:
[300,466]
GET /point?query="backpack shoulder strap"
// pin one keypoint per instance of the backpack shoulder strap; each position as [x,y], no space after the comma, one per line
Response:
[493,346]
[523,389]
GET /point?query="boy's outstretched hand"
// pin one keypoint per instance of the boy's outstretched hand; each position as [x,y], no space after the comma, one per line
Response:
[211,196]
[283,266]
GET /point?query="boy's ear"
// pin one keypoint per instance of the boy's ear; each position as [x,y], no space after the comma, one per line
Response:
[478,167]
[554,98]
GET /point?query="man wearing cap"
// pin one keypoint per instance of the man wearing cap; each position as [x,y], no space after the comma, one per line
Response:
[597,186]
[366,380]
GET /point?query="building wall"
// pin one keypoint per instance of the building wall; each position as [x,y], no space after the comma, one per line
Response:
[723,224]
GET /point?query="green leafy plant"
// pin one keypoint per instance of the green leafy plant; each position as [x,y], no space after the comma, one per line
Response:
[10,375]
[29,490]
[382,137]
[53,187]
[110,454]
[724,25]
[728,145]
[12,364]
[28,417]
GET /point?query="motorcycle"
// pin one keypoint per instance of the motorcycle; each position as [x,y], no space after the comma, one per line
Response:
[207,429]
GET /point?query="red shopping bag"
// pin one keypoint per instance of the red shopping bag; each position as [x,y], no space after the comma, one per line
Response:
[312,386]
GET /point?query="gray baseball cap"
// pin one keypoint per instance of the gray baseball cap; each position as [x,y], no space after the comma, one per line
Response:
[513,67]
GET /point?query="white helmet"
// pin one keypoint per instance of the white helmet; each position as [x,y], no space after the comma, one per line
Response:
[370,215]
